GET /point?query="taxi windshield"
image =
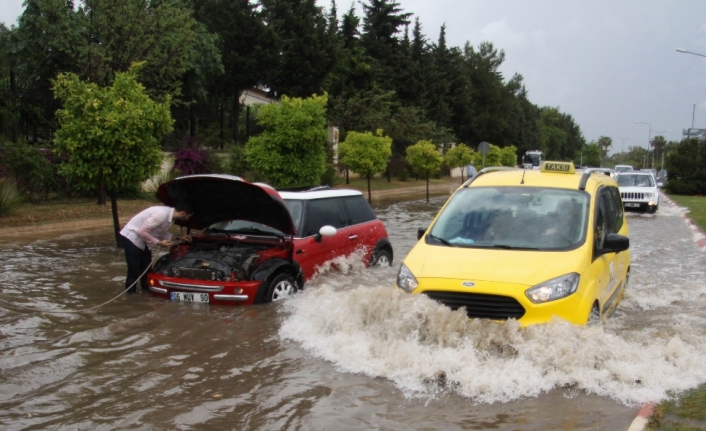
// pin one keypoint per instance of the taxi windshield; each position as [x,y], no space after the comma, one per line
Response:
[525,218]
[634,180]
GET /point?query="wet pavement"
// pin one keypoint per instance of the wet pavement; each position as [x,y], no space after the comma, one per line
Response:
[349,352]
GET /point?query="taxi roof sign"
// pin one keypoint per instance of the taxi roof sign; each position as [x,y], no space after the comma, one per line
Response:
[558,167]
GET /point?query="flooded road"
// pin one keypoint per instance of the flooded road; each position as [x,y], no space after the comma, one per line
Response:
[349,352]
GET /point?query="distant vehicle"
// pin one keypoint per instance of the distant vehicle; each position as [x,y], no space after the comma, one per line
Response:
[605,171]
[623,168]
[661,178]
[638,189]
[532,159]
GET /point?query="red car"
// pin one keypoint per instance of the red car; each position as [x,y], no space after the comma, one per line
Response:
[260,245]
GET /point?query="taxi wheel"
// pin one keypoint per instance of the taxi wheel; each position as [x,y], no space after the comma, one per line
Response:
[281,287]
[382,259]
[594,317]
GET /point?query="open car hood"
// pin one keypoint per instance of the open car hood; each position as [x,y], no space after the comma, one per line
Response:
[217,198]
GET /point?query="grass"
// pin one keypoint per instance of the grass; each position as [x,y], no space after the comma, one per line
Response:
[697,207]
[61,210]
[683,413]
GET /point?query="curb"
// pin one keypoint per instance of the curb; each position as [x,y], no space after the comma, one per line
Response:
[643,416]
[642,419]
[697,235]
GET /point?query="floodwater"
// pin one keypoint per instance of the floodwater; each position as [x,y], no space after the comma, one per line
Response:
[349,352]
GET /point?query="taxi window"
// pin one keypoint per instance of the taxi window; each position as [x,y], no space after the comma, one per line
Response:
[616,208]
[513,217]
[600,229]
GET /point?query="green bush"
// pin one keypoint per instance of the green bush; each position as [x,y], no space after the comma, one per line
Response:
[330,176]
[686,187]
[30,169]
[238,163]
[10,197]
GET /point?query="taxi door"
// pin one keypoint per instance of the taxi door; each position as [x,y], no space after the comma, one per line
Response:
[605,263]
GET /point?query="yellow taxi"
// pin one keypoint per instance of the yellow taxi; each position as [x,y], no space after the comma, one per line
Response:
[527,245]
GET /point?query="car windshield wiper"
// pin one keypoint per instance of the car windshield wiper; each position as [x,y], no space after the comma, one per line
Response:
[441,240]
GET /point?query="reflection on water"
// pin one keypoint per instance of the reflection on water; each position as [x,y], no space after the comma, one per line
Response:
[349,352]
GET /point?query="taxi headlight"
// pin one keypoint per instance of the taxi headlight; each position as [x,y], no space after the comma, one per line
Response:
[406,280]
[648,195]
[555,288]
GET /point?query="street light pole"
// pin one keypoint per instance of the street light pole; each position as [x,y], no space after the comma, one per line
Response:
[654,157]
[649,135]
[622,147]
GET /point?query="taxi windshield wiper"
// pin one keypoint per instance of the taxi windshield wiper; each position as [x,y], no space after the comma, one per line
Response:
[510,247]
[441,240]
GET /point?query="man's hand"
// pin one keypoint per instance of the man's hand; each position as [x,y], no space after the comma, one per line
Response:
[164,243]
[185,238]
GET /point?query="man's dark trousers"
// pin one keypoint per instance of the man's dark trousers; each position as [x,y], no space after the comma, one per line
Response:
[137,262]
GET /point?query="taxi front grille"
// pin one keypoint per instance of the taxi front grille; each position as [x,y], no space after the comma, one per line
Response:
[631,195]
[480,305]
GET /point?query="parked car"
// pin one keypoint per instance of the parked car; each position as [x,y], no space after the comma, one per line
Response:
[623,168]
[639,191]
[260,245]
[529,245]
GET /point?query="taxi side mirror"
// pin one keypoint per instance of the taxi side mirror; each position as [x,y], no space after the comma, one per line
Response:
[421,231]
[616,243]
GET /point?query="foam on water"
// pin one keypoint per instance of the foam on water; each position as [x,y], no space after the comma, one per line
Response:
[655,342]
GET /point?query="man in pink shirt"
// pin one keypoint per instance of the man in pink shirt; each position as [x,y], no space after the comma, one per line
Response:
[144,231]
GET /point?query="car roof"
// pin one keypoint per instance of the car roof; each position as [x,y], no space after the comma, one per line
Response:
[305,195]
[635,173]
[537,178]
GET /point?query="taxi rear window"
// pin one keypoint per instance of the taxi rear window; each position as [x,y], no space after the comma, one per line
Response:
[531,218]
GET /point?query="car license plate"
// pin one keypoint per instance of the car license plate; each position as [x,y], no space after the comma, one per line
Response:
[631,205]
[188,297]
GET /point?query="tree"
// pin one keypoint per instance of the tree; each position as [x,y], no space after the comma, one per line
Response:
[590,155]
[110,136]
[604,143]
[425,159]
[365,153]
[247,50]
[117,33]
[304,44]
[508,156]
[291,150]
[459,157]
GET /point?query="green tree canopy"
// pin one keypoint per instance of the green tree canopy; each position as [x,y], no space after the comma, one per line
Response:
[291,150]
[425,159]
[365,153]
[459,157]
[110,136]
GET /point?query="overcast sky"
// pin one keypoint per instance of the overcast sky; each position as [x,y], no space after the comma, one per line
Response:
[607,63]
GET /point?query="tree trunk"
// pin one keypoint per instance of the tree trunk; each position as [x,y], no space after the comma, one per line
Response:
[116,222]
[427,188]
[192,121]
[347,181]
[236,119]
[220,105]
[100,197]
[370,199]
